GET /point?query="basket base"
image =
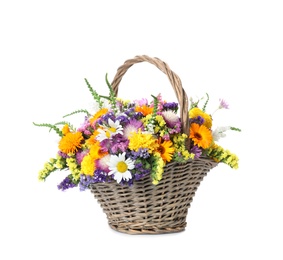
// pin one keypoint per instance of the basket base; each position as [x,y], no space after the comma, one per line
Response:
[144,208]
[148,230]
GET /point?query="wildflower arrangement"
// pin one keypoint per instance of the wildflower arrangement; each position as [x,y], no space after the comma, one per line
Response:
[126,141]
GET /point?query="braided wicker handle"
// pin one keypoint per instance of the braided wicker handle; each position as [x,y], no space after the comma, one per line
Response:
[173,78]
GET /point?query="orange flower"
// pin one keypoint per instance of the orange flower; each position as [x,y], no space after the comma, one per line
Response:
[200,135]
[65,129]
[145,110]
[165,149]
[92,139]
[71,142]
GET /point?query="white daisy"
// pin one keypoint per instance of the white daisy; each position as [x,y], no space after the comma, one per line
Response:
[119,166]
[108,131]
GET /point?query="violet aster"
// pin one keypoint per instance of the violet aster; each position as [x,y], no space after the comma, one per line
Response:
[133,126]
[196,151]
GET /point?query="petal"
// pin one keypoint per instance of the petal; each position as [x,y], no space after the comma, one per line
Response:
[127,175]
[118,177]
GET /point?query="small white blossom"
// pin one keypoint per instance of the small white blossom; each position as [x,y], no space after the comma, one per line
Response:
[219,132]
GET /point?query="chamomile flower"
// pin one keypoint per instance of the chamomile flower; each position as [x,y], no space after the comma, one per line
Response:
[120,166]
[108,131]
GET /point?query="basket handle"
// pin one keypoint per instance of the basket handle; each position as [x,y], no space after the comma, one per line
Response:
[173,78]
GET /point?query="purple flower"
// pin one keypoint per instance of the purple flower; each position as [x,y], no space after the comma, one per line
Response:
[141,171]
[166,136]
[63,154]
[198,120]
[105,145]
[197,151]
[123,119]
[126,182]
[176,129]
[171,106]
[118,143]
[104,118]
[67,183]
[86,180]
[131,113]
[141,153]
[119,105]
[171,118]
[100,176]
[133,126]
[80,155]
[223,104]
[85,127]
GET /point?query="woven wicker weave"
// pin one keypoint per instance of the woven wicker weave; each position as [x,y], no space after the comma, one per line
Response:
[145,208]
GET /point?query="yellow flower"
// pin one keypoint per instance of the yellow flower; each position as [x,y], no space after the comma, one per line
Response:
[195,112]
[96,152]
[166,150]
[142,140]
[88,165]
[200,135]
[71,142]
[73,167]
[158,169]
[160,120]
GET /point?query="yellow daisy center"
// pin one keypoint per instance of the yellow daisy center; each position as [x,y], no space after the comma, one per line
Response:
[107,133]
[122,167]
[112,129]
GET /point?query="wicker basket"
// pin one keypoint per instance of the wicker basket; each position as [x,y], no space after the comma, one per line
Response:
[145,208]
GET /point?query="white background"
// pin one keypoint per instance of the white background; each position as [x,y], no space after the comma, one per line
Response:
[230,49]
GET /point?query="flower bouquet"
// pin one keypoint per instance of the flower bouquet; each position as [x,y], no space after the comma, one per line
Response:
[142,161]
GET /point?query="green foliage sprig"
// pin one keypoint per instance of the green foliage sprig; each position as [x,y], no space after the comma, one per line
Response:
[112,96]
[205,104]
[95,95]
[235,129]
[53,127]
[78,111]
[66,123]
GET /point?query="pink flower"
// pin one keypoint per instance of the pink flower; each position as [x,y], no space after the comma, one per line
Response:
[141,102]
[102,163]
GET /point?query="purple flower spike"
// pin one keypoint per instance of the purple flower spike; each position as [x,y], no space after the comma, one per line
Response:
[67,183]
